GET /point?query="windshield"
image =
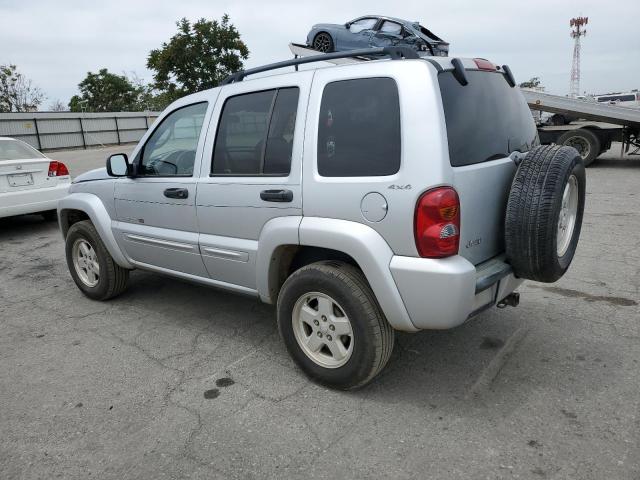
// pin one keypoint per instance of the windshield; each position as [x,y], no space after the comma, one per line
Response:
[15,150]
[486,119]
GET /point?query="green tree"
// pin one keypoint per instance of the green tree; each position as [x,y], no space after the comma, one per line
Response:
[534,82]
[17,93]
[198,57]
[106,92]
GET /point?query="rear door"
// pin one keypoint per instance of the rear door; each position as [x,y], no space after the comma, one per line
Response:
[157,225]
[251,171]
[389,33]
[486,121]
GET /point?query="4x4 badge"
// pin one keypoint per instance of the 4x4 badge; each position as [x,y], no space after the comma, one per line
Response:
[400,187]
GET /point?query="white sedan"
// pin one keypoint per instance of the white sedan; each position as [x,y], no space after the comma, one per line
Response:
[29,181]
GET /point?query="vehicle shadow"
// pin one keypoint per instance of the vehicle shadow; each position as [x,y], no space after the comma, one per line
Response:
[13,227]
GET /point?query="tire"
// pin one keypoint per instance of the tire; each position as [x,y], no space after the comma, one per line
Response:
[584,141]
[536,245]
[369,344]
[49,215]
[323,42]
[110,278]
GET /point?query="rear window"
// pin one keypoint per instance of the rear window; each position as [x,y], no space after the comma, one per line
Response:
[486,119]
[359,128]
[14,150]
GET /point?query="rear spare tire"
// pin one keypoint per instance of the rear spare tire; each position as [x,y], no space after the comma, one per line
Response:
[544,213]
[584,141]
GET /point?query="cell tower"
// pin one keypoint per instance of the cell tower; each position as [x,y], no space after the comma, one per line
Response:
[577,31]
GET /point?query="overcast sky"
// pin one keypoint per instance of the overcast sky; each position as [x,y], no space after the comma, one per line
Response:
[55,43]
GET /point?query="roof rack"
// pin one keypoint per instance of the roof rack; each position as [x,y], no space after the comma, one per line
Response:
[396,53]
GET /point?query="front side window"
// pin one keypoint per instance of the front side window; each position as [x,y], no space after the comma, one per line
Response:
[359,128]
[171,148]
[255,134]
[363,24]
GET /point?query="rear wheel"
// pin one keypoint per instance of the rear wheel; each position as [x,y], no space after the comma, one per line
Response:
[584,141]
[332,326]
[323,42]
[91,266]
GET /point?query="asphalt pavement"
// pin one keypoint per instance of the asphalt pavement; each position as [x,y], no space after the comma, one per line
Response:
[172,380]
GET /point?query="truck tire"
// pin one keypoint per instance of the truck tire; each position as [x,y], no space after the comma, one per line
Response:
[91,266]
[584,141]
[544,213]
[332,325]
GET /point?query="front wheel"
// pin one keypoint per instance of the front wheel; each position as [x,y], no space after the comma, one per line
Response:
[332,326]
[91,266]
[323,42]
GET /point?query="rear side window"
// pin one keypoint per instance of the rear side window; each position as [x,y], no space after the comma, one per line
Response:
[359,128]
[486,119]
[255,134]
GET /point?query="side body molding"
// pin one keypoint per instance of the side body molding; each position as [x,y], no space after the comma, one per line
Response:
[95,209]
[372,254]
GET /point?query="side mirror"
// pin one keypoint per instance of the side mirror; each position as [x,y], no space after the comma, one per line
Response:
[118,165]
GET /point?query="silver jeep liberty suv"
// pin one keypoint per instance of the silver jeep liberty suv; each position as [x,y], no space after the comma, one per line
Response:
[399,193]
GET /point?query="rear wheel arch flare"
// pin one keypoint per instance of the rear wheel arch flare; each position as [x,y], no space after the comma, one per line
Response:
[286,259]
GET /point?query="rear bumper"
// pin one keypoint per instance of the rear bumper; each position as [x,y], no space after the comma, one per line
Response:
[32,201]
[444,293]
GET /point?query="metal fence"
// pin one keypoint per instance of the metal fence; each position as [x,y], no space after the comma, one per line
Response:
[53,130]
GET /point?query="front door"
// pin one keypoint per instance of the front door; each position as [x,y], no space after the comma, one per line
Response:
[358,35]
[157,225]
[251,172]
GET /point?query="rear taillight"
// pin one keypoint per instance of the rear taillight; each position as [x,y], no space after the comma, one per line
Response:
[58,169]
[437,223]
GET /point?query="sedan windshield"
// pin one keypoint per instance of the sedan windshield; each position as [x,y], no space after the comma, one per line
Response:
[15,150]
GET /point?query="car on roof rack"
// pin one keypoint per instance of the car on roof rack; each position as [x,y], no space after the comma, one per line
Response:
[375,31]
[403,193]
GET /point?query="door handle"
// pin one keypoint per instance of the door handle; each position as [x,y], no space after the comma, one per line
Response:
[276,195]
[176,193]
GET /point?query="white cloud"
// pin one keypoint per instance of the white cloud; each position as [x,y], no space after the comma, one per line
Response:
[56,43]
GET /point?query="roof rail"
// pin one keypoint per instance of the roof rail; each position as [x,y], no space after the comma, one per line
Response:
[396,53]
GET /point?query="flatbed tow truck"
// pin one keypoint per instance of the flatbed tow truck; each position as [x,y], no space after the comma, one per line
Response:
[598,124]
